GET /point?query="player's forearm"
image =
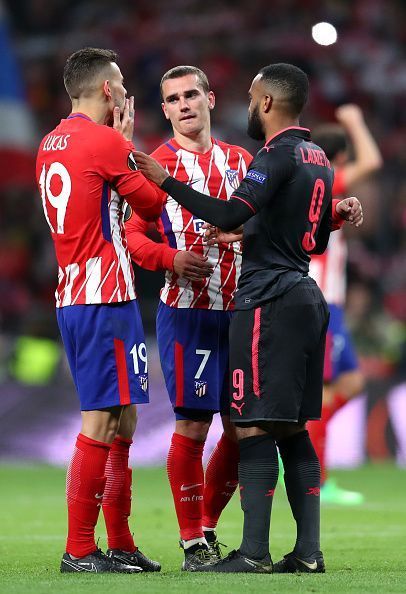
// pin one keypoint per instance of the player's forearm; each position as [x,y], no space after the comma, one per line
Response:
[148,254]
[224,214]
[368,157]
[337,221]
[144,198]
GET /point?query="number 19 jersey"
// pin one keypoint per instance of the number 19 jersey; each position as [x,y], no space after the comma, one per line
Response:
[84,170]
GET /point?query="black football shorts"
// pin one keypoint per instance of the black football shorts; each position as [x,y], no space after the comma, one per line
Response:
[277,357]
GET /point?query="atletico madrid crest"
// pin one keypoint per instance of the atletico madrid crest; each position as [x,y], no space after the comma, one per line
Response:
[200,388]
[232,177]
[143,382]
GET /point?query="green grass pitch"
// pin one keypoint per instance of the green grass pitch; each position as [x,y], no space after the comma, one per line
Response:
[364,546]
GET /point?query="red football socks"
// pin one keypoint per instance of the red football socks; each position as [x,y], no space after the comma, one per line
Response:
[186,478]
[318,430]
[221,480]
[85,483]
[117,496]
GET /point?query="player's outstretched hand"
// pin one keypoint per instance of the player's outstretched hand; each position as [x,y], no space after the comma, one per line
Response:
[214,235]
[125,124]
[350,210]
[150,168]
[191,266]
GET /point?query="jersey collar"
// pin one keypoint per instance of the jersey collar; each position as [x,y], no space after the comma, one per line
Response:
[292,130]
[175,146]
[78,115]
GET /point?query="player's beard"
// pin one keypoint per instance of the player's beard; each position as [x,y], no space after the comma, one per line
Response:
[255,128]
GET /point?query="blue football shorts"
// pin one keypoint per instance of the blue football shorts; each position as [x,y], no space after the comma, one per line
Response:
[106,350]
[193,349]
[340,353]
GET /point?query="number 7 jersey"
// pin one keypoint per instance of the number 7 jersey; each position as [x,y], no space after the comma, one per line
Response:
[84,170]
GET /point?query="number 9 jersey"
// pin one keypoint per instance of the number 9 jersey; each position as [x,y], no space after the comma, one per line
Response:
[84,171]
[288,187]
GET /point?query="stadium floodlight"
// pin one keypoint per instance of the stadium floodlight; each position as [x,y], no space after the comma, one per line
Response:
[324,33]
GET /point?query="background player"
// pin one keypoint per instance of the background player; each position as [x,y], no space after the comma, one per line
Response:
[194,310]
[78,165]
[278,332]
[344,377]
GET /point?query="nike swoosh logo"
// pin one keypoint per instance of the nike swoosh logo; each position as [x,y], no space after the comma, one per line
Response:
[99,496]
[252,563]
[312,565]
[187,487]
[193,181]
[80,566]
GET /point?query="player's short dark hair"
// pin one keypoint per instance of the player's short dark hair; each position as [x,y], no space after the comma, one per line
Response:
[291,81]
[180,71]
[82,66]
[331,138]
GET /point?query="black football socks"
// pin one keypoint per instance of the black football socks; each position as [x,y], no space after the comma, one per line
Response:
[302,481]
[258,474]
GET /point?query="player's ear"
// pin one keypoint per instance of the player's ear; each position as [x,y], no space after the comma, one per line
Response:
[211,99]
[165,110]
[267,103]
[106,89]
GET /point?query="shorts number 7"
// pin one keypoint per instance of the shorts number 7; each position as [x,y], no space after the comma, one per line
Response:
[206,355]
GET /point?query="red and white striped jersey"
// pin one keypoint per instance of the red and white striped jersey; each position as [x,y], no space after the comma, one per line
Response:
[84,171]
[329,269]
[217,173]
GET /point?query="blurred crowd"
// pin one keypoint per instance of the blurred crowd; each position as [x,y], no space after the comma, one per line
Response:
[230,41]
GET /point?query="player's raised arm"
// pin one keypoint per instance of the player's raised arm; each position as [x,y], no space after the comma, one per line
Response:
[367,156]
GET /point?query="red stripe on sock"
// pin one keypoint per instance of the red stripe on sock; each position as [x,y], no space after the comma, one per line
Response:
[256,332]
[122,372]
[179,374]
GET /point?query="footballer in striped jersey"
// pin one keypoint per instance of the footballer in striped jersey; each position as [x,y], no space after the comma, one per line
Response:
[195,309]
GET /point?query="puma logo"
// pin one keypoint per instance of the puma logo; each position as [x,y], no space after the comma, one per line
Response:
[234,405]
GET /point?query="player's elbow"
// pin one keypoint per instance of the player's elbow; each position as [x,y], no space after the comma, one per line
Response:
[371,165]
[150,213]
[377,163]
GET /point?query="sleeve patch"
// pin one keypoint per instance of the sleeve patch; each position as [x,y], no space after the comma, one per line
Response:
[131,163]
[128,211]
[256,176]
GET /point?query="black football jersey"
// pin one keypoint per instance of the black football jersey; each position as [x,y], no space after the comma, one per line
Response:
[288,185]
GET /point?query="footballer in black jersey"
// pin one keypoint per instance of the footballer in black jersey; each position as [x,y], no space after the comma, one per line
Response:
[277,335]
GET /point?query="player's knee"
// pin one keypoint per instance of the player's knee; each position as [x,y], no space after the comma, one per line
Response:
[280,430]
[196,430]
[101,425]
[229,428]
[128,422]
